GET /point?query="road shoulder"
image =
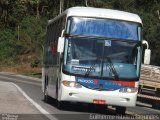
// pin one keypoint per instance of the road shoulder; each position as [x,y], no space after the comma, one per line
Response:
[14,104]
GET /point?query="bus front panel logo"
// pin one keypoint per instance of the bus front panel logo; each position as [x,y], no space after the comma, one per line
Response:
[95,81]
[85,81]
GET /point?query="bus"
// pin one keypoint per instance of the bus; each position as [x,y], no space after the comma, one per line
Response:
[93,55]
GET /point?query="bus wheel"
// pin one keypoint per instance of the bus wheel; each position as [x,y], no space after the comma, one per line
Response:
[46,97]
[120,110]
[60,105]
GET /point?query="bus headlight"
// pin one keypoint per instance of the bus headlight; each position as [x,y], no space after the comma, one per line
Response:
[129,90]
[71,84]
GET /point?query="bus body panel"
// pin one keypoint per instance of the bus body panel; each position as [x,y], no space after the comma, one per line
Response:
[52,75]
[43,78]
[99,13]
[88,95]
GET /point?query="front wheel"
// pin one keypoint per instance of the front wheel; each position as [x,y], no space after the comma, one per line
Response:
[46,97]
[120,110]
[60,105]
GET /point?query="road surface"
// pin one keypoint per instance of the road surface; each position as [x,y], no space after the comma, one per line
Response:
[72,111]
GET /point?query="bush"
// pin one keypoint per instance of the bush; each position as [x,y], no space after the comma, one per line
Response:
[7,46]
[35,63]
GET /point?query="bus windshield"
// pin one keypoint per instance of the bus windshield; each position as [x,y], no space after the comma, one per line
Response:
[102,48]
[103,28]
[94,57]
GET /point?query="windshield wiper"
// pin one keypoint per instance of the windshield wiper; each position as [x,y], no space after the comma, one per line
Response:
[91,67]
[111,67]
[89,36]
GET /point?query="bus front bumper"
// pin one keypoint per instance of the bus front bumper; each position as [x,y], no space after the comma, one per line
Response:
[86,95]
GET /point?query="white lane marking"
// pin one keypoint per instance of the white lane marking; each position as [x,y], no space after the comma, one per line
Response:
[43,111]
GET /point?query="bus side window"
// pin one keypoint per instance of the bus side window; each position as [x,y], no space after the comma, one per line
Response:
[47,45]
[54,44]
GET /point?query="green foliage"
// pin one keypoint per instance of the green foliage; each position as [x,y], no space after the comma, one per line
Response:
[7,47]
[31,16]
[31,35]
[35,63]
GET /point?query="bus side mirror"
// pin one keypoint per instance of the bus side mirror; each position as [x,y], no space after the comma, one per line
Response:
[60,44]
[147,56]
[147,53]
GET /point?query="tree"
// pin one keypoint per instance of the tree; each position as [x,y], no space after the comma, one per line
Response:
[7,47]
[4,10]
[31,16]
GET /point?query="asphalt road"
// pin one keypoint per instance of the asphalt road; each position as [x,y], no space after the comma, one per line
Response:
[72,111]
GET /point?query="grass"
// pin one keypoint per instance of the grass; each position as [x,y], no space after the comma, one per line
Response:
[33,74]
[24,69]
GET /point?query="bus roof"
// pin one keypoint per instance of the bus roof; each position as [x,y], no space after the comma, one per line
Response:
[100,13]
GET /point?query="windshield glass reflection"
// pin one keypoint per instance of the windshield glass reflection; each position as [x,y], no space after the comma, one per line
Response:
[103,28]
[103,58]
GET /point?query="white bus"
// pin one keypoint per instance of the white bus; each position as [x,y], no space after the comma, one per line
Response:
[93,55]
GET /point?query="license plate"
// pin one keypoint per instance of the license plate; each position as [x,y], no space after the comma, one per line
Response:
[102,102]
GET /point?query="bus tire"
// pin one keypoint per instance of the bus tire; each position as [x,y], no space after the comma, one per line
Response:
[46,97]
[57,90]
[120,110]
[60,105]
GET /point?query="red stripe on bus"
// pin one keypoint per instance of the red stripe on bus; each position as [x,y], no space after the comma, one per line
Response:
[124,82]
